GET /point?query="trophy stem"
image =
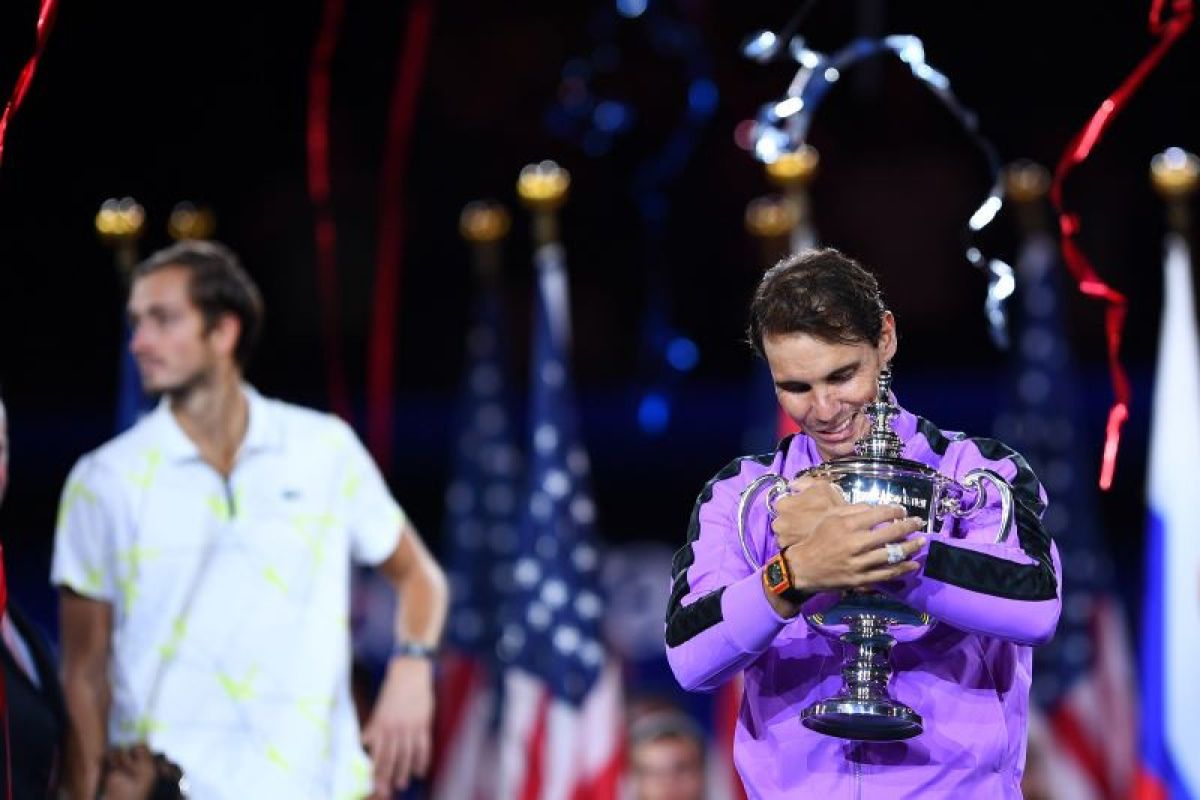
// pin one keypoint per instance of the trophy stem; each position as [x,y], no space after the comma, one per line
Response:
[863,710]
[869,669]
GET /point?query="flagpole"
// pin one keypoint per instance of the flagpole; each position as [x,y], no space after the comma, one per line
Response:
[188,221]
[542,188]
[1174,174]
[792,173]
[119,224]
[770,220]
[480,529]
[483,226]
[1026,184]
[1170,764]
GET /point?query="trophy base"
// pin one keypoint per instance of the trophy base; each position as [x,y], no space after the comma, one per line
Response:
[881,720]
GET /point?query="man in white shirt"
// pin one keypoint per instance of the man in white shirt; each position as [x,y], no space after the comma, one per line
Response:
[204,560]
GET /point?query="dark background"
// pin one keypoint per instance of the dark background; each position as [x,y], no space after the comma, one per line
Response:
[206,102]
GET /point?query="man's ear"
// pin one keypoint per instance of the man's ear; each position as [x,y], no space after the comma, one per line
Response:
[225,333]
[887,337]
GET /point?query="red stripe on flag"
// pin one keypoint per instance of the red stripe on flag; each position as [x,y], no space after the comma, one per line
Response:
[1147,786]
[459,681]
[606,784]
[1072,738]
[535,747]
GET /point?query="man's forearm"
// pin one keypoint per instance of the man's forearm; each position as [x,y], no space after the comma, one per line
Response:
[87,707]
[423,597]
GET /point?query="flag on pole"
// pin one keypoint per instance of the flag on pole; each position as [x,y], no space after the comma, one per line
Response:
[562,717]
[1083,727]
[1170,648]
[481,537]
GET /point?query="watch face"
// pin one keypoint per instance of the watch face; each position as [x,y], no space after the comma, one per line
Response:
[775,575]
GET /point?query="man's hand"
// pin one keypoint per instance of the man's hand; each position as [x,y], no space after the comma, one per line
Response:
[845,549]
[799,513]
[399,734]
[132,773]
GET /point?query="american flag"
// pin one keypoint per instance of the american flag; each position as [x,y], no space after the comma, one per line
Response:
[1170,646]
[481,536]
[1083,727]
[562,719]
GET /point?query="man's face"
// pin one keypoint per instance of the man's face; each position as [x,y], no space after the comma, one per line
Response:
[173,351]
[670,768]
[823,386]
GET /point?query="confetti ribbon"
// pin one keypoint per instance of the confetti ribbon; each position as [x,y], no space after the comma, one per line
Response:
[1080,267]
[782,127]
[45,22]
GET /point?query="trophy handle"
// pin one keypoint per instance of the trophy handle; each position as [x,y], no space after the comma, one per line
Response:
[972,481]
[778,488]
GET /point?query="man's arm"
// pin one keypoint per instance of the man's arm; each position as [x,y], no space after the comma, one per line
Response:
[1011,589]
[86,634]
[399,732]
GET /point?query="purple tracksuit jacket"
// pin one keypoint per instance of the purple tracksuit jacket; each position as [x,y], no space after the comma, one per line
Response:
[968,676]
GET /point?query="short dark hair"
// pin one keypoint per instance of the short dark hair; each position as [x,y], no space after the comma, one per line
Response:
[660,724]
[823,293]
[217,285]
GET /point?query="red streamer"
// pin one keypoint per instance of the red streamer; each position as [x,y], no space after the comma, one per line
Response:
[1080,267]
[319,192]
[44,23]
[381,354]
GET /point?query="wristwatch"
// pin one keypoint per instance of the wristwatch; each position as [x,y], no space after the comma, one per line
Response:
[409,649]
[778,580]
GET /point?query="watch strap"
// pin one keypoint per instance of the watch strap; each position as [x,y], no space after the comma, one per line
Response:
[407,649]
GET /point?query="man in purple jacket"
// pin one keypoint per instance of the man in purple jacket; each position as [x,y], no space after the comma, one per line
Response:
[819,320]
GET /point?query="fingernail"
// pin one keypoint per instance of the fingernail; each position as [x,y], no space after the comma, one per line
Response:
[920,520]
[921,541]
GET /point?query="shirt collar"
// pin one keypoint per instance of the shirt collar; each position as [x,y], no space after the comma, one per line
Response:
[264,431]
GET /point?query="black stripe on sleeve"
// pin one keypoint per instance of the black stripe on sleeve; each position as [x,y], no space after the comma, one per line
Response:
[691,620]
[979,572]
[684,622]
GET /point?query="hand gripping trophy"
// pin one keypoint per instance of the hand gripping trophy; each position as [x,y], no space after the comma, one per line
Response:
[877,474]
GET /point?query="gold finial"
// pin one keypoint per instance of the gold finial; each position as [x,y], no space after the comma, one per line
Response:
[1026,182]
[543,190]
[484,222]
[543,186]
[189,222]
[1174,173]
[771,217]
[120,222]
[794,170]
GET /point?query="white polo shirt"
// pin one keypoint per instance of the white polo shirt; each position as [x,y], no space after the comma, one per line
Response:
[231,649]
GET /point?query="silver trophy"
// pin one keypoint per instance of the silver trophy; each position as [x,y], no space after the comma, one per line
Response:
[864,620]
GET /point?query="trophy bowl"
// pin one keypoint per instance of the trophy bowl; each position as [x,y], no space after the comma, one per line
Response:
[867,622]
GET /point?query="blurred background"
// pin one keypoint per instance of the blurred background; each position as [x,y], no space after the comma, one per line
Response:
[433,104]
